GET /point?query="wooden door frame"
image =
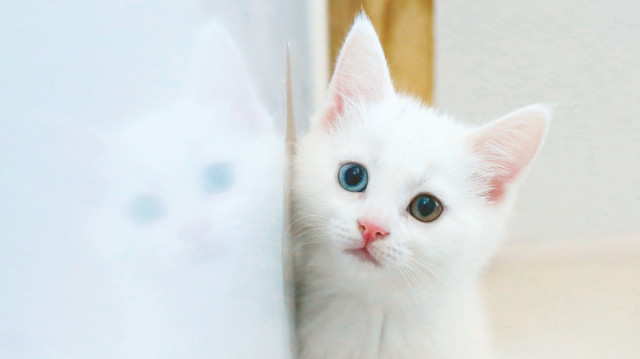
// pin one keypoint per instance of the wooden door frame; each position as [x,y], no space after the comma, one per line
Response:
[405,28]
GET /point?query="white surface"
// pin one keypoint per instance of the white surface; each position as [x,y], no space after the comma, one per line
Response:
[566,300]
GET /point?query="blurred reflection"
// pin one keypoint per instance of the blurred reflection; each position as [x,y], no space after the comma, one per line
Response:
[191,219]
[181,251]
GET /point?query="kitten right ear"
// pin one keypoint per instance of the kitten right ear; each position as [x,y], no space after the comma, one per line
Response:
[361,74]
[508,145]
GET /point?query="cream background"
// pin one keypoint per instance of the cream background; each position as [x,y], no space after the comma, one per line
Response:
[495,56]
[567,285]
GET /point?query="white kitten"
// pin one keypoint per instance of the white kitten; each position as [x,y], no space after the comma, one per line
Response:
[396,210]
[192,219]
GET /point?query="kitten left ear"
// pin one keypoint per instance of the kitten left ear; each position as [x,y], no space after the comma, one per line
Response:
[361,74]
[508,145]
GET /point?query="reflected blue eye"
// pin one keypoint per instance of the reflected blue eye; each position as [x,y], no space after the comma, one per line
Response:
[353,177]
[217,177]
[425,208]
[145,209]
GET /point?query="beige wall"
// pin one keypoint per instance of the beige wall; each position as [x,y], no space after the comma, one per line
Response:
[494,56]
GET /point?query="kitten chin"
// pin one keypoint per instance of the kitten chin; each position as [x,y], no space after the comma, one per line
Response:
[397,208]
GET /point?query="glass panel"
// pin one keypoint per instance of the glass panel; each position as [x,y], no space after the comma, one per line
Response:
[141,185]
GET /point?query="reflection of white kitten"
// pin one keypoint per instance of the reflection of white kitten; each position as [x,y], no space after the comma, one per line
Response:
[191,219]
[396,210]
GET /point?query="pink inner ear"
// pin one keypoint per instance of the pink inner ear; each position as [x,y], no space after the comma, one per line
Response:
[361,74]
[506,156]
[507,147]
[333,111]
[498,184]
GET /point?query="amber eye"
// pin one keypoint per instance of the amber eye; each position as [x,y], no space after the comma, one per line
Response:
[425,208]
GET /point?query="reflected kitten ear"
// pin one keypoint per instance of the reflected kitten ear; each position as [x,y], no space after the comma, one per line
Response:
[218,73]
[361,74]
[508,145]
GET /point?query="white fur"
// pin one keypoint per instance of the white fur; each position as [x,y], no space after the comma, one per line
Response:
[421,301]
[204,280]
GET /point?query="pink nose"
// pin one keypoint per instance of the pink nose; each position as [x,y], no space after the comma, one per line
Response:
[371,232]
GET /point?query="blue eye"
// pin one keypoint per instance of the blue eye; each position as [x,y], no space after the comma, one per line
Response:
[425,208]
[217,177]
[353,177]
[145,209]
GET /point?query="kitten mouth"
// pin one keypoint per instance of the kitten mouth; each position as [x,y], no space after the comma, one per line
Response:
[363,255]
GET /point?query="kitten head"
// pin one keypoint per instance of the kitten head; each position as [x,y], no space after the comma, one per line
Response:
[195,179]
[384,185]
